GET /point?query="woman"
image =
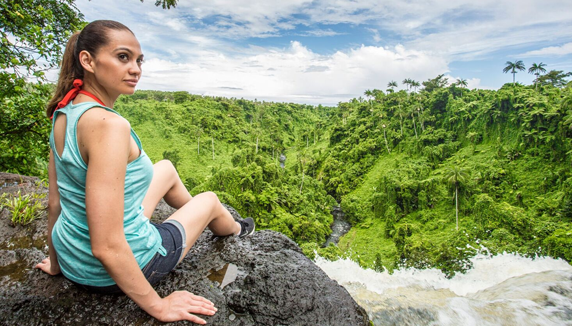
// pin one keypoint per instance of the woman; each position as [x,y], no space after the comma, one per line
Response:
[103,187]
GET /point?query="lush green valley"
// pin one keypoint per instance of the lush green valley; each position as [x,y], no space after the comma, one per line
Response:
[232,147]
[395,161]
[426,178]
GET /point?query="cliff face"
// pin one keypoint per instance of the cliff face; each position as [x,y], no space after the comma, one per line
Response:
[260,280]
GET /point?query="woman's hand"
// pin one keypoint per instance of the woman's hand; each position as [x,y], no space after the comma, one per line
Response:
[181,305]
[49,268]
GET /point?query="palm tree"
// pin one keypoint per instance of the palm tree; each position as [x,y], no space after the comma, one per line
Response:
[537,69]
[456,176]
[415,84]
[392,84]
[413,119]
[400,110]
[385,137]
[462,83]
[407,82]
[512,67]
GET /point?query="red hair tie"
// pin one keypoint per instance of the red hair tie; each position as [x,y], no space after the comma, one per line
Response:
[77,84]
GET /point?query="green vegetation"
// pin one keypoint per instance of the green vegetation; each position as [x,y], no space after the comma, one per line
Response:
[502,157]
[232,147]
[32,34]
[426,178]
[23,208]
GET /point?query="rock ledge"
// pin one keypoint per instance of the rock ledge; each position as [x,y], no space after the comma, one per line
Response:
[275,283]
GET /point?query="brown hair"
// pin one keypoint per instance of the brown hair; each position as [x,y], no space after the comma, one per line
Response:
[90,39]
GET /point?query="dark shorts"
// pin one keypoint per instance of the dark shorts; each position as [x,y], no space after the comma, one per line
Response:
[174,241]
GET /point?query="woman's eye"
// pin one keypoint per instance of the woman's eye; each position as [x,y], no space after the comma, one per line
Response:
[140,61]
[123,57]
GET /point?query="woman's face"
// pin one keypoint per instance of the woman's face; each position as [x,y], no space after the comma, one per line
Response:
[117,65]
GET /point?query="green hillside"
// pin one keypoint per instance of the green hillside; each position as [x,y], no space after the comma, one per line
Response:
[394,161]
[506,152]
[426,178]
[233,146]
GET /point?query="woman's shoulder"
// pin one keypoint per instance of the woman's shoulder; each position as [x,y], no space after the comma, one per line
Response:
[99,123]
[98,116]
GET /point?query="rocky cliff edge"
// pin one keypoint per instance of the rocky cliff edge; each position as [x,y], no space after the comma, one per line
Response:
[263,279]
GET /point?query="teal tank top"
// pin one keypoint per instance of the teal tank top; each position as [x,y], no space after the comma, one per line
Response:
[70,235]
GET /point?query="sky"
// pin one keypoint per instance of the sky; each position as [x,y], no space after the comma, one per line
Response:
[328,51]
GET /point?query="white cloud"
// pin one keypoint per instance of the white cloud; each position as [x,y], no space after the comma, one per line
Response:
[204,46]
[375,37]
[463,29]
[293,74]
[551,50]
[321,33]
[162,19]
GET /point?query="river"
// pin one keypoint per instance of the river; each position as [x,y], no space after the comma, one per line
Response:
[505,289]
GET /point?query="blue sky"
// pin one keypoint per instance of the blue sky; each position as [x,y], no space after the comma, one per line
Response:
[324,52]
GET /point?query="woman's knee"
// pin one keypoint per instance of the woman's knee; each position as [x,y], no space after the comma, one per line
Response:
[166,164]
[211,197]
[167,168]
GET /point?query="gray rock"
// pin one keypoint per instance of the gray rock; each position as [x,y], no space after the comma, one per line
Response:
[273,284]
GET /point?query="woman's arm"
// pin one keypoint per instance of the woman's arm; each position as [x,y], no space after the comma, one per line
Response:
[50,265]
[106,138]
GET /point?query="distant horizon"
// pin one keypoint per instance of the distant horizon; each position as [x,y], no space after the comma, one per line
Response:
[362,95]
[326,52]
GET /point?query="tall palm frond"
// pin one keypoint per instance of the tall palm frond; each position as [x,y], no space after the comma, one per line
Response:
[512,67]
[537,69]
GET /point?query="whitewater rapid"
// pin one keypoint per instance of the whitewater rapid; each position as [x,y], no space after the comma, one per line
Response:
[505,289]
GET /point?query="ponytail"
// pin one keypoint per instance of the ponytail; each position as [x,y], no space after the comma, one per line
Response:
[70,69]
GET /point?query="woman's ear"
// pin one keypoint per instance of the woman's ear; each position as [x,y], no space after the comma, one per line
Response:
[86,61]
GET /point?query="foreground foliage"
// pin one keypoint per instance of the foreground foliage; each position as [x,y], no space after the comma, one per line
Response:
[32,34]
[23,208]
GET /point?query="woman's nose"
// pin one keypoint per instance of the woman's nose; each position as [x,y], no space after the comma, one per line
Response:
[135,68]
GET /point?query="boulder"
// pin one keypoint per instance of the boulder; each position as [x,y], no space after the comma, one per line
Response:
[263,279]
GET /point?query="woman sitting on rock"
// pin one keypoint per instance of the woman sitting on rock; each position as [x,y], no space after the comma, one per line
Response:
[104,188]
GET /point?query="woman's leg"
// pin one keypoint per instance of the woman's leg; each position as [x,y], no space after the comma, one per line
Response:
[165,184]
[194,213]
[204,210]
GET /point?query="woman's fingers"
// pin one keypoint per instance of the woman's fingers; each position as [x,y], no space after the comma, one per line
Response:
[200,311]
[195,319]
[183,305]
[199,298]
[44,264]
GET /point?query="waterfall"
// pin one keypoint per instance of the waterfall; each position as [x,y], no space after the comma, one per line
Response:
[339,227]
[506,289]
